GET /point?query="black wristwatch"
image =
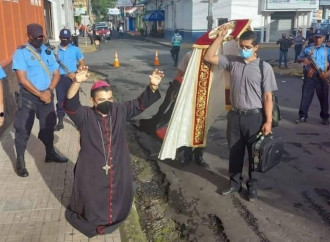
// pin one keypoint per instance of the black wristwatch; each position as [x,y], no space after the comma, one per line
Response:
[2,114]
[50,89]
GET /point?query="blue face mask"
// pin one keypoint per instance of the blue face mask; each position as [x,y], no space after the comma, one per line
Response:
[246,53]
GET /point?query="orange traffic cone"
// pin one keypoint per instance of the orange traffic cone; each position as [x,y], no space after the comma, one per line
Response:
[156,61]
[116,62]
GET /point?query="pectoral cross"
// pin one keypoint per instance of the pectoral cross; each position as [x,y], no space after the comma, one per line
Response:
[106,168]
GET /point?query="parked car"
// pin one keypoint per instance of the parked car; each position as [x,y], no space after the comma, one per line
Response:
[102,32]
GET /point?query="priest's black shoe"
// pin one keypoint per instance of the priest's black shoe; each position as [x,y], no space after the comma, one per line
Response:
[22,172]
[20,166]
[52,156]
[200,161]
[301,120]
[252,195]
[231,190]
[59,126]
[325,121]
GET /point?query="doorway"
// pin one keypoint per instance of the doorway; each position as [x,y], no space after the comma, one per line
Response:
[49,19]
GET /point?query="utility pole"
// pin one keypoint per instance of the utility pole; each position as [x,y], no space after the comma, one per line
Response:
[210,15]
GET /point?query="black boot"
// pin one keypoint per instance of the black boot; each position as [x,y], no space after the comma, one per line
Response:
[59,125]
[198,153]
[20,166]
[187,156]
[200,161]
[52,156]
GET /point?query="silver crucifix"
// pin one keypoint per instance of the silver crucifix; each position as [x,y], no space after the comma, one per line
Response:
[106,168]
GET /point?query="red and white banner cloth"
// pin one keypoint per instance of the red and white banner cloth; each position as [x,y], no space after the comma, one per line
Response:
[204,93]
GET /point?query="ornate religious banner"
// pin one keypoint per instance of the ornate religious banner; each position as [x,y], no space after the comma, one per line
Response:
[204,93]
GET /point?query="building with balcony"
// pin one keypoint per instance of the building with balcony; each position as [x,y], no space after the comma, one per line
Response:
[270,18]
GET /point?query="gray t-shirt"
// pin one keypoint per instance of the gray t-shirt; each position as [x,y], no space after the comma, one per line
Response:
[299,40]
[246,87]
[182,66]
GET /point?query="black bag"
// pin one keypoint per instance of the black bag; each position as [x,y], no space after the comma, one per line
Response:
[266,151]
[276,114]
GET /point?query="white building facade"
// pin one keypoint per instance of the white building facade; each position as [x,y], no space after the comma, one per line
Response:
[58,14]
[270,18]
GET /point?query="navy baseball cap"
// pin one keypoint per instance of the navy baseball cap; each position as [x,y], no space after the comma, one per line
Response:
[35,30]
[65,33]
[319,33]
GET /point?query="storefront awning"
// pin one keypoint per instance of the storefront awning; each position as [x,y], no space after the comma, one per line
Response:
[157,15]
[146,17]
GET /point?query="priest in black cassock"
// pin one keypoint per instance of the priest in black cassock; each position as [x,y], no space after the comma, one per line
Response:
[102,190]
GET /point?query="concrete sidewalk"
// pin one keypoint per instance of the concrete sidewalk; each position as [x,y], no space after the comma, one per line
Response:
[32,208]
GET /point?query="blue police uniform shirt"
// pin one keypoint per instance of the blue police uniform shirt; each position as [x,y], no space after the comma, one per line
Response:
[25,60]
[318,56]
[177,39]
[2,73]
[69,57]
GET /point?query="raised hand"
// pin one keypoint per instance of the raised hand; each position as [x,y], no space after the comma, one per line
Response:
[223,30]
[155,78]
[82,74]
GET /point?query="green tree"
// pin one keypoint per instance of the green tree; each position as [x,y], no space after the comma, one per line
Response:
[100,8]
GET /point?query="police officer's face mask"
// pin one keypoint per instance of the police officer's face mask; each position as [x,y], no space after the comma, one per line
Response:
[37,41]
[65,42]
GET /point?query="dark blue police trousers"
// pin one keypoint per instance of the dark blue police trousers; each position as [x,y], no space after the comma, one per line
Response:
[61,90]
[29,107]
[310,85]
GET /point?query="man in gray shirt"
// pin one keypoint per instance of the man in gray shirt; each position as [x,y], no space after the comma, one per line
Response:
[252,104]
[299,41]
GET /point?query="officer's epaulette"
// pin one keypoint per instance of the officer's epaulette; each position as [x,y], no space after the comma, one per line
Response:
[21,47]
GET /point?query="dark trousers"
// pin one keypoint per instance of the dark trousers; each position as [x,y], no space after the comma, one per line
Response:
[164,113]
[75,40]
[175,54]
[322,91]
[284,56]
[30,106]
[61,91]
[91,38]
[170,96]
[189,152]
[297,51]
[240,128]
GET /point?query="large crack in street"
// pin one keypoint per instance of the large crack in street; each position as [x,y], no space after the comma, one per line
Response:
[154,197]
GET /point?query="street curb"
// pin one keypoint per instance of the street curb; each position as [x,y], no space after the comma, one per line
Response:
[130,229]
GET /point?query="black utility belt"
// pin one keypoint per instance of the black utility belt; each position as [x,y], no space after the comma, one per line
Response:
[246,111]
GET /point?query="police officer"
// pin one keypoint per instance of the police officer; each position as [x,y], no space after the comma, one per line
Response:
[37,73]
[313,79]
[2,106]
[68,57]
[176,43]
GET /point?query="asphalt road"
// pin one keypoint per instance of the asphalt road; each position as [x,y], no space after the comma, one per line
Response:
[293,197]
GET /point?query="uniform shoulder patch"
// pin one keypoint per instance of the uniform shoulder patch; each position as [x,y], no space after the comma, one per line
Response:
[21,47]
